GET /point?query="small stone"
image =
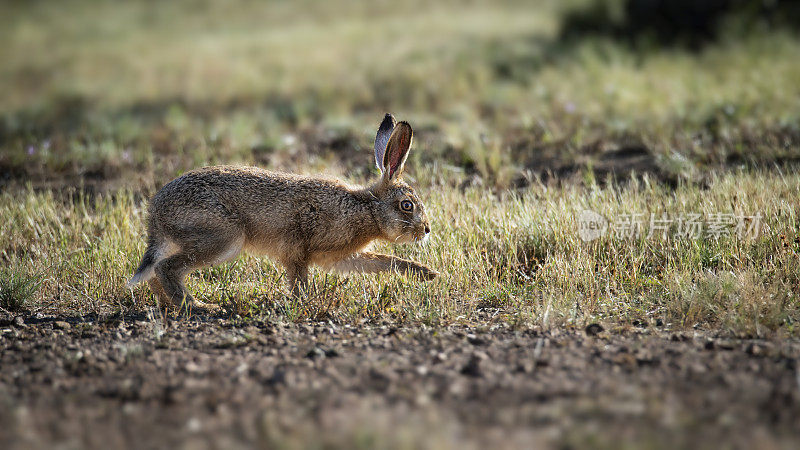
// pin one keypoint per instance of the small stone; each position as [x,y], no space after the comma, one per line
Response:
[391,332]
[19,322]
[475,340]
[755,350]
[473,366]
[278,377]
[422,400]
[593,329]
[381,379]
[526,366]
[61,325]
[625,360]
[315,352]
[680,337]
[725,345]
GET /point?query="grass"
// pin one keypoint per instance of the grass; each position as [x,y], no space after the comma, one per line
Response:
[513,135]
[17,289]
[508,257]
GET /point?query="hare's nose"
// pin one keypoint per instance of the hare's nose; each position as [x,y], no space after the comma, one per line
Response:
[427,228]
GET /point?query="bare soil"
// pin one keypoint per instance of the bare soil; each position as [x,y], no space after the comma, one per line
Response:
[139,382]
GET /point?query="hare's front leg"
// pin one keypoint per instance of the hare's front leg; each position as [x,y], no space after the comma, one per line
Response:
[368,262]
[297,277]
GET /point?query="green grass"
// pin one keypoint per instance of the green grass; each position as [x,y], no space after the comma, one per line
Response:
[509,257]
[17,289]
[102,103]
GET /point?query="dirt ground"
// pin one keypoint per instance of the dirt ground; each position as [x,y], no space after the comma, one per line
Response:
[141,382]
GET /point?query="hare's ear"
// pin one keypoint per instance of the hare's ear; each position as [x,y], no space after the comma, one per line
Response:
[382,139]
[397,150]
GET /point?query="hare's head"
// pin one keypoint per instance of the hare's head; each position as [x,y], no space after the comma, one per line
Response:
[398,208]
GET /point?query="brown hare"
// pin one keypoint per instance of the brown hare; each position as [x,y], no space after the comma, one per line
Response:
[208,216]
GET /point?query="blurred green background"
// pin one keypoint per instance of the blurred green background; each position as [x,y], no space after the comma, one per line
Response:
[103,94]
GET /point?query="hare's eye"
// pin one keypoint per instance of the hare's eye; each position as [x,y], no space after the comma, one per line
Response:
[407,205]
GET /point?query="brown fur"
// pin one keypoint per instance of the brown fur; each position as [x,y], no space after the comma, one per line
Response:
[207,216]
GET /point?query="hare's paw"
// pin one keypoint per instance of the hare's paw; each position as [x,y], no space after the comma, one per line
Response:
[425,272]
[430,274]
[209,309]
[198,308]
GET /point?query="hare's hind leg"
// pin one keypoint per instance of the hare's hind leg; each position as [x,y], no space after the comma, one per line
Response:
[157,289]
[172,270]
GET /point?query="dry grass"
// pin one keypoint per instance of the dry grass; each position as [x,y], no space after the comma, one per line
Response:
[508,257]
[127,96]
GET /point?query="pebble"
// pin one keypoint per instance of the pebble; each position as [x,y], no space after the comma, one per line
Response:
[473,366]
[593,329]
[315,352]
[476,340]
[61,325]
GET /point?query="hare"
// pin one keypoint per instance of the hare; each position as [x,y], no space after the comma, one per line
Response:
[208,216]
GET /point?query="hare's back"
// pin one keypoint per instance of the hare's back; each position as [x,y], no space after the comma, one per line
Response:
[201,195]
[240,195]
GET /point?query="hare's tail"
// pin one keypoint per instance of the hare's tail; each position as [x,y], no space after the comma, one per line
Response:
[146,267]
